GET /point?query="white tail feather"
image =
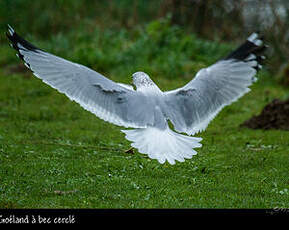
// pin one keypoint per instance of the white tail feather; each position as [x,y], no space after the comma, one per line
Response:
[163,144]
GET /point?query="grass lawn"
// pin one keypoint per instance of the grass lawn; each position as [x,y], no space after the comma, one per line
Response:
[54,154]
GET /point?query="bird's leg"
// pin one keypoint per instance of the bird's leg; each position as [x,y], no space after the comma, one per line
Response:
[130,150]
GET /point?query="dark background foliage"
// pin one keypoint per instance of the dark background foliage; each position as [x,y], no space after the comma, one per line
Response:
[224,20]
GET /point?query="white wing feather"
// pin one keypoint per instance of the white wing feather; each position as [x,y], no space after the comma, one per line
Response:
[192,107]
[108,100]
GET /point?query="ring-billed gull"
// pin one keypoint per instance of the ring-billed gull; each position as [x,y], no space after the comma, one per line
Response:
[147,109]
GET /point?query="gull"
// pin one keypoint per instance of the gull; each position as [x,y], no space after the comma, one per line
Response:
[144,110]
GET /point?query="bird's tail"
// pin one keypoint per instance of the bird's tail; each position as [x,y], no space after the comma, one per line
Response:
[163,144]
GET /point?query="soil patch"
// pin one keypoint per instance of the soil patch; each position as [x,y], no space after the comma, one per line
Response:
[275,115]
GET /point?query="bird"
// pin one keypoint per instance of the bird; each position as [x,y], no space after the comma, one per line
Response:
[161,124]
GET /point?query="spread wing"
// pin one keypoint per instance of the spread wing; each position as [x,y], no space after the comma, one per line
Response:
[193,106]
[108,100]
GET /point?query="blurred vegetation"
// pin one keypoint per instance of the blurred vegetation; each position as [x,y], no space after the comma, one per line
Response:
[217,20]
[157,47]
[221,20]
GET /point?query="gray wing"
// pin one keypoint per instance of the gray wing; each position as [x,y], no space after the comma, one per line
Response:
[193,106]
[108,100]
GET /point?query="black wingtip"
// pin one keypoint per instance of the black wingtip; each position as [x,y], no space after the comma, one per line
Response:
[251,50]
[18,42]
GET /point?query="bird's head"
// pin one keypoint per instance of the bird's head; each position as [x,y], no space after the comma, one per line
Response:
[141,79]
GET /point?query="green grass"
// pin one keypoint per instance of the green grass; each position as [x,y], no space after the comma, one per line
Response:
[54,154]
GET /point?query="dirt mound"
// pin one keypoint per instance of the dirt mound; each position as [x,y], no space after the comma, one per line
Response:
[275,115]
